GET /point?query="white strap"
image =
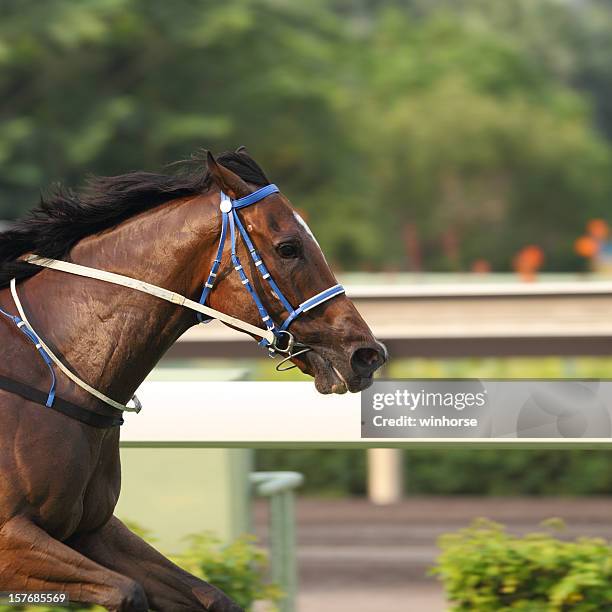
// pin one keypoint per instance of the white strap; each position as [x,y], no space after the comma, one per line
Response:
[131,283]
[71,375]
[144,287]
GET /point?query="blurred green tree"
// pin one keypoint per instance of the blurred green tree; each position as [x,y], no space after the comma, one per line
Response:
[114,85]
[467,129]
[467,136]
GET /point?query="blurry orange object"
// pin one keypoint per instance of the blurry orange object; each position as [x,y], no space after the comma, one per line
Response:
[533,256]
[481,266]
[527,262]
[598,229]
[586,246]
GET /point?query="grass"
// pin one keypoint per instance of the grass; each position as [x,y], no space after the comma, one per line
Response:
[488,367]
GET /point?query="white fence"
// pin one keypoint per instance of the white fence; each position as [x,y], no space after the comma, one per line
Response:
[202,414]
[208,413]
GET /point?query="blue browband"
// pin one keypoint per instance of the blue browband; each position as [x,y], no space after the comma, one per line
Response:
[230,217]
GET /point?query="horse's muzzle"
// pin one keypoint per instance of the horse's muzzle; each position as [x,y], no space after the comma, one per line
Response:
[365,360]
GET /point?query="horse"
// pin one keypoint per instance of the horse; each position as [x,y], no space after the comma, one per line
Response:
[60,471]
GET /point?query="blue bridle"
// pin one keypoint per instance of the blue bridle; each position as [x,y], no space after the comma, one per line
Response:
[229,210]
[33,338]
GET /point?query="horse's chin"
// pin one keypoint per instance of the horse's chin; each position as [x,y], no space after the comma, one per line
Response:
[330,378]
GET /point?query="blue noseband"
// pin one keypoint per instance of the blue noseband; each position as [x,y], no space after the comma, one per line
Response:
[230,217]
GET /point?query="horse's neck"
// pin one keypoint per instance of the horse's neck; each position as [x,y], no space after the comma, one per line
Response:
[113,336]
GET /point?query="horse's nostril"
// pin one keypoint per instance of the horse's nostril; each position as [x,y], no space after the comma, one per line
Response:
[365,361]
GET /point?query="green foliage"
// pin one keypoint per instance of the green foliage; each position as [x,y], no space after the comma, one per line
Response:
[508,472]
[468,135]
[465,119]
[238,568]
[124,84]
[339,472]
[485,569]
[330,473]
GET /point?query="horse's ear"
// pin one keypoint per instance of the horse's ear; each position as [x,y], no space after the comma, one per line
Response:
[242,149]
[226,180]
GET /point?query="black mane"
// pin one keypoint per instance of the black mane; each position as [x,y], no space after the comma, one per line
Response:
[64,217]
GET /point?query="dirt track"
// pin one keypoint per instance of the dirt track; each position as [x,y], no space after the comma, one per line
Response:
[358,557]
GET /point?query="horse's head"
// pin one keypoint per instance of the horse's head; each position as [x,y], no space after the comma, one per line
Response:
[344,354]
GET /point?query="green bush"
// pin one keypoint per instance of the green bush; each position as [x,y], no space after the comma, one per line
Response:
[238,568]
[450,471]
[328,472]
[564,472]
[484,568]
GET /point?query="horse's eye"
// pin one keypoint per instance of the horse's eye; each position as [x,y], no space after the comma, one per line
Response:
[287,250]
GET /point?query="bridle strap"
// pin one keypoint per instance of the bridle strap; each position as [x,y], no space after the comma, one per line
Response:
[69,373]
[144,287]
[124,281]
[254,197]
[60,405]
[210,281]
[261,266]
[33,338]
[312,302]
[244,279]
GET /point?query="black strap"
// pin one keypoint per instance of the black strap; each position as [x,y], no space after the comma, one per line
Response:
[60,405]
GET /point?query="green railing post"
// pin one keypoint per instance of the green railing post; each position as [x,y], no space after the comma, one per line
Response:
[279,487]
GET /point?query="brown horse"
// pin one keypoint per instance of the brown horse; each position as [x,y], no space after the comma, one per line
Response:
[60,478]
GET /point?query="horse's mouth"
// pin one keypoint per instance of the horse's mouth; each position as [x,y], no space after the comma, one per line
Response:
[329,376]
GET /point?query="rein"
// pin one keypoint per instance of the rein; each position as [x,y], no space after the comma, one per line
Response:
[278,340]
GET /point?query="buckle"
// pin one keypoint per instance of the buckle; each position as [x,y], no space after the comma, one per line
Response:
[284,342]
